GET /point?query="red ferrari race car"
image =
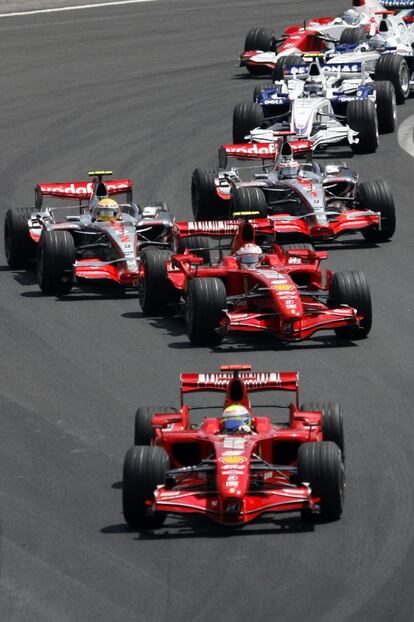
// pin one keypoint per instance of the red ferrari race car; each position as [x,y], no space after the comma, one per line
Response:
[263,50]
[283,291]
[236,466]
[95,240]
[306,202]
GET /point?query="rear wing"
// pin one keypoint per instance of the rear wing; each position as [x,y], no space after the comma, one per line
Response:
[224,228]
[80,190]
[262,151]
[253,381]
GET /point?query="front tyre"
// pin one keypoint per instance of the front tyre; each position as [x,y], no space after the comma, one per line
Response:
[362,117]
[377,196]
[144,469]
[351,289]
[56,257]
[19,248]
[204,307]
[321,466]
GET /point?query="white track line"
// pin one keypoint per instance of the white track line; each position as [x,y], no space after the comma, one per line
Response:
[405,135]
[73,8]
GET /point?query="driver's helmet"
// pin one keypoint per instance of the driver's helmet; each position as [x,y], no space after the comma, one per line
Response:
[313,88]
[351,17]
[377,42]
[249,256]
[106,209]
[287,168]
[236,419]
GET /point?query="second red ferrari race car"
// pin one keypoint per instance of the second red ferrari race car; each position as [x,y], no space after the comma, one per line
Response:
[238,465]
[283,291]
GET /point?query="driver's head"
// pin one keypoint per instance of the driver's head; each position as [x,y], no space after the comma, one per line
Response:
[351,17]
[249,256]
[106,209]
[236,419]
[287,168]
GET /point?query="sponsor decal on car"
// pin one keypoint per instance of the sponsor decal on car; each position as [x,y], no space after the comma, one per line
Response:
[233,459]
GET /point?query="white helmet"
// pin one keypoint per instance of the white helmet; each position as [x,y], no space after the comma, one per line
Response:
[249,256]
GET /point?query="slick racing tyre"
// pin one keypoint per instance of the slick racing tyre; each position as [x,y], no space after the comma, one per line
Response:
[198,245]
[259,88]
[144,433]
[19,247]
[282,61]
[205,202]
[351,289]
[321,466]
[386,106]
[56,256]
[145,468]
[394,68]
[353,35]
[246,117]
[247,203]
[332,422]
[362,117]
[259,39]
[155,291]
[377,196]
[204,307]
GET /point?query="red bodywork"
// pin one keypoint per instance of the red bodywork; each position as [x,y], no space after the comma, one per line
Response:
[288,295]
[237,477]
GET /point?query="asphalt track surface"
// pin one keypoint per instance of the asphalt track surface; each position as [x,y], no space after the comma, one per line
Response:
[148,90]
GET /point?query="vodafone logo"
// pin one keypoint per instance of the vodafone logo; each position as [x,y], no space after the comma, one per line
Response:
[80,189]
[254,149]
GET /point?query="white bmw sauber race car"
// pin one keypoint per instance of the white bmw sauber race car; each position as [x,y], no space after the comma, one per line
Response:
[309,113]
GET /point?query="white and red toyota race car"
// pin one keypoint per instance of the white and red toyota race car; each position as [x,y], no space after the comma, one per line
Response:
[72,246]
[263,48]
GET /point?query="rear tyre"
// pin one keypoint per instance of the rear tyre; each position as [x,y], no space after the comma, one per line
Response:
[353,35]
[145,468]
[205,303]
[259,39]
[321,466]
[205,202]
[248,202]
[282,61]
[56,256]
[332,422]
[199,245]
[246,117]
[19,248]
[351,289]
[377,196]
[143,430]
[394,68]
[386,106]
[154,289]
[362,117]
